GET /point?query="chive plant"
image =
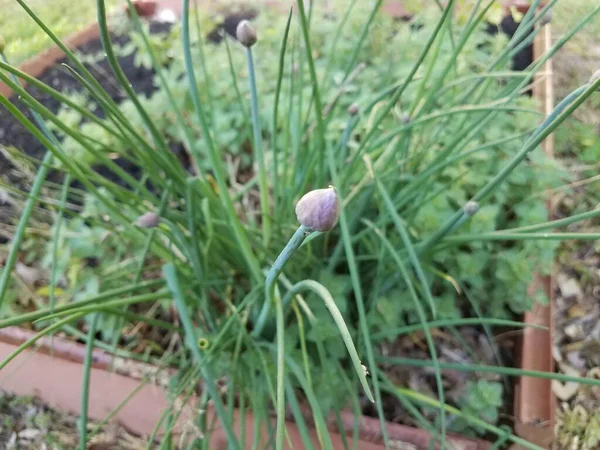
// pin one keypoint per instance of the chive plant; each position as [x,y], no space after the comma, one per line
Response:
[433,149]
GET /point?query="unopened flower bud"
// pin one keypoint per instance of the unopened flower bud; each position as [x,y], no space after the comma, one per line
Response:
[148,220]
[319,210]
[546,18]
[246,34]
[470,208]
[353,109]
[595,77]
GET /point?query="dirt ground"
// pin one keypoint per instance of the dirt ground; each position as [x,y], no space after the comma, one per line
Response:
[27,424]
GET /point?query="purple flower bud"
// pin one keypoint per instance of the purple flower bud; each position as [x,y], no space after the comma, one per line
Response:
[471,208]
[353,109]
[246,34]
[319,210]
[148,220]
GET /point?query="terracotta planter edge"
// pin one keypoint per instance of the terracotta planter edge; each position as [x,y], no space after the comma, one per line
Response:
[52,371]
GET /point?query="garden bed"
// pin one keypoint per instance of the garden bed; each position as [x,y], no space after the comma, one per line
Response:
[453,343]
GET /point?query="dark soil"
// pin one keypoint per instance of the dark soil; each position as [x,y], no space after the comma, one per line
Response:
[14,134]
[58,77]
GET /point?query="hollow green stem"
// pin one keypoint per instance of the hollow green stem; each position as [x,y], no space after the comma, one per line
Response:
[280,394]
[85,390]
[505,236]
[295,241]
[320,142]
[258,153]
[509,371]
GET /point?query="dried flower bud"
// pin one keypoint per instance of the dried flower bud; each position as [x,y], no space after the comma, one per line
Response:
[470,208]
[246,34]
[595,77]
[319,210]
[148,220]
[546,18]
[353,109]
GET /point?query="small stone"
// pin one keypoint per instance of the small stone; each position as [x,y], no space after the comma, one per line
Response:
[29,434]
[29,275]
[574,331]
[574,359]
[569,287]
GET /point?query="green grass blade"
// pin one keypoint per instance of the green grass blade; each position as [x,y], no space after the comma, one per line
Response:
[321,143]
[357,289]
[258,152]
[407,279]
[85,389]
[274,131]
[55,241]
[392,332]
[171,164]
[214,156]
[33,339]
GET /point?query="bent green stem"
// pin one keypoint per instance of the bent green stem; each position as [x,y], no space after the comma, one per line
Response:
[295,241]
[322,292]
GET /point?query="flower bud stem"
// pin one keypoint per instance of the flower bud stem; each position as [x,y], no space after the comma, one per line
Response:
[258,154]
[293,244]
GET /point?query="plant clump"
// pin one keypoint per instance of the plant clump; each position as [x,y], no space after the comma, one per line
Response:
[221,147]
